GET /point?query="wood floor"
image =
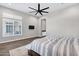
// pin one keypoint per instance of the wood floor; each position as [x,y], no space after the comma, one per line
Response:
[5,47]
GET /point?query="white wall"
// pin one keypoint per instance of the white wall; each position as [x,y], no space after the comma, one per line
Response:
[65,21]
[26,21]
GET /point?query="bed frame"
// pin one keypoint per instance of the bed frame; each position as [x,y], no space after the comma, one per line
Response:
[32,53]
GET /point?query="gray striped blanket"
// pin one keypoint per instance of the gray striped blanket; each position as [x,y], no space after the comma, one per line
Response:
[59,47]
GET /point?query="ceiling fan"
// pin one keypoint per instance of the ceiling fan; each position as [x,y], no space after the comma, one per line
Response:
[41,11]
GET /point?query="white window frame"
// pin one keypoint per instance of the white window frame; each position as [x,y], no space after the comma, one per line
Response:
[9,18]
[19,23]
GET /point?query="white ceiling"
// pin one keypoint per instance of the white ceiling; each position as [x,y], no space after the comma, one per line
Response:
[23,7]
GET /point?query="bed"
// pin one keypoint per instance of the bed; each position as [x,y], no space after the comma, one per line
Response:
[55,46]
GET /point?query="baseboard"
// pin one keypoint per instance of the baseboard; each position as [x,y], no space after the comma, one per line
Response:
[17,39]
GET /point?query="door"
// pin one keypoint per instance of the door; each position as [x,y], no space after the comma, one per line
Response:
[43,27]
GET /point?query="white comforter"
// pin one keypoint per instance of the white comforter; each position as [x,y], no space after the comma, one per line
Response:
[59,47]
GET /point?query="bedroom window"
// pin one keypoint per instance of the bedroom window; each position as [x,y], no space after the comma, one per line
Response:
[11,26]
[17,28]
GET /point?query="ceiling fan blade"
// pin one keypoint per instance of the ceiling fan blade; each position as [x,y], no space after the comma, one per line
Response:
[32,8]
[36,13]
[38,6]
[44,11]
[41,13]
[32,11]
[45,8]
